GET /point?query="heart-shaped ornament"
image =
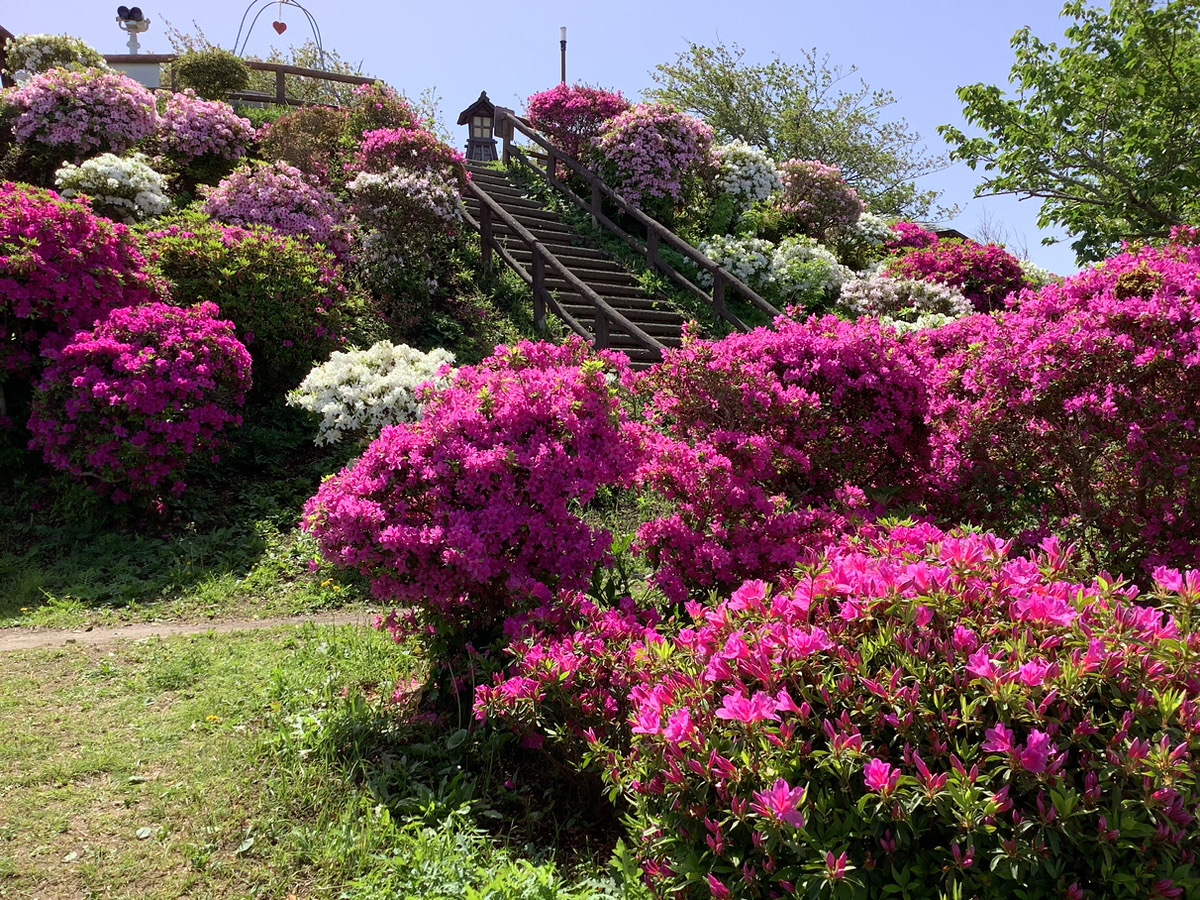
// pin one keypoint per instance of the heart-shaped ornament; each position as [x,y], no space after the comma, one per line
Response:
[280,27]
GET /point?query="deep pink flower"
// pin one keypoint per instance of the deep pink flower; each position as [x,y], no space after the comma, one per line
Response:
[881,777]
[781,803]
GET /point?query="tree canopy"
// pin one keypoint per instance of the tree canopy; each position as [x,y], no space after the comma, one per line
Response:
[1105,130]
[804,110]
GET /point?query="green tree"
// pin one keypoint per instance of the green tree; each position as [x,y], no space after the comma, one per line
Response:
[1105,131]
[804,110]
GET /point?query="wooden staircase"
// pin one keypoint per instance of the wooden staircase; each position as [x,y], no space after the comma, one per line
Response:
[575,256]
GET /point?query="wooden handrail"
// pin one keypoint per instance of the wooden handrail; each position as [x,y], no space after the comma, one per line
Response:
[656,232]
[606,315]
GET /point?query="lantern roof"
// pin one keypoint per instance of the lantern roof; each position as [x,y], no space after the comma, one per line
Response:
[481,107]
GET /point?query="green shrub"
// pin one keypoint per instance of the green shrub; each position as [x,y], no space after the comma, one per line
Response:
[309,138]
[214,74]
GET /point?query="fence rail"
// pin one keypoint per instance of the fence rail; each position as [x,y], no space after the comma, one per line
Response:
[657,234]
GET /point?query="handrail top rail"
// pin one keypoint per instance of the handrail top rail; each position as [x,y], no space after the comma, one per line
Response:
[253,64]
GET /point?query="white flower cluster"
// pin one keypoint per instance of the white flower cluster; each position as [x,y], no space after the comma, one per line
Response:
[361,391]
[399,199]
[747,173]
[920,323]
[125,189]
[902,298]
[1036,275]
[742,257]
[31,54]
[805,271]
[869,231]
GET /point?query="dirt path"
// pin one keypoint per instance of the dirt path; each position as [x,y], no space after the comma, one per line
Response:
[40,638]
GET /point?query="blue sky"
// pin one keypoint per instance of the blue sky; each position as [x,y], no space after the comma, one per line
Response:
[920,50]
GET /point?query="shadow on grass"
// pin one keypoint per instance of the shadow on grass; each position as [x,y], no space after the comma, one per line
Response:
[64,547]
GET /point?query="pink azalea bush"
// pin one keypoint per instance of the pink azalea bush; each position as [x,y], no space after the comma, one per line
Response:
[571,116]
[286,297]
[376,106]
[77,114]
[770,439]
[469,514]
[191,128]
[1078,413]
[816,199]
[986,274]
[653,155]
[124,406]
[910,236]
[410,149]
[919,710]
[62,268]
[283,198]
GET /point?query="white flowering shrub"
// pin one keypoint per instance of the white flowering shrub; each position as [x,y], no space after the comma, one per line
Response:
[358,392]
[123,188]
[747,258]
[418,206]
[864,243]
[1037,277]
[27,55]
[805,272]
[920,323]
[746,173]
[902,298]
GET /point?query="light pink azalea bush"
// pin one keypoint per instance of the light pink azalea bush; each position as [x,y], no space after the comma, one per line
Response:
[920,712]
[470,514]
[654,156]
[815,198]
[1078,413]
[124,406]
[282,197]
[61,269]
[571,116]
[191,128]
[76,114]
[770,439]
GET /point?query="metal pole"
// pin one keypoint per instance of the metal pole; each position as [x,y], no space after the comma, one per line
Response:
[562,43]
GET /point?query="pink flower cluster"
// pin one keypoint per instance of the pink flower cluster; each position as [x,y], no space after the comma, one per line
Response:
[123,407]
[281,197]
[411,149]
[986,274]
[816,199]
[82,113]
[61,269]
[191,128]
[909,236]
[570,116]
[651,153]
[469,513]
[915,705]
[770,439]
[1079,412]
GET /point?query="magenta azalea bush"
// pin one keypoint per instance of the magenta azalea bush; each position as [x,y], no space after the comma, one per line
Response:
[1078,413]
[571,116]
[770,439]
[410,149]
[986,274]
[815,198]
[62,268]
[469,514]
[281,197]
[910,236]
[124,406]
[191,128]
[77,114]
[653,155]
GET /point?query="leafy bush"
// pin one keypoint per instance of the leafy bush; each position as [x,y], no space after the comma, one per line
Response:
[212,73]
[280,196]
[38,53]
[919,713]
[771,437]
[61,269]
[284,295]
[986,274]
[805,273]
[570,116]
[191,128]
[125,189]
[1078,412]
[862,244]
[123,407]
[309,138]
[815,199]
[654,156]
[903,298]
[358,392]
[469,515]
[76,115]
[413,209]
[378,106]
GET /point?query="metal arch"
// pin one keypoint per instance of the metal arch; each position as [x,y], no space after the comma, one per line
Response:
[239,44]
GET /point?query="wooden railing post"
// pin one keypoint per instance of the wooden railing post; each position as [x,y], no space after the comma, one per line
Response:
[719,279]
[539,290]
[485,238]
[596,203]
[652,259]
[280,88]
[602,334]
